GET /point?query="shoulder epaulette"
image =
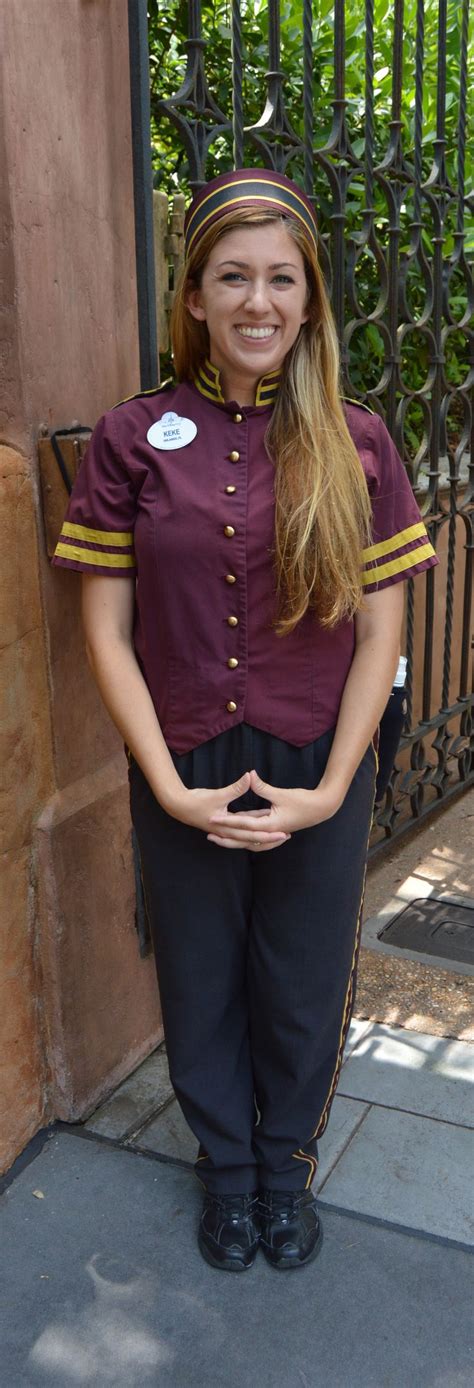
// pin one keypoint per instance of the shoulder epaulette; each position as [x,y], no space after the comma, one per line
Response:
[155,390]
[347,400]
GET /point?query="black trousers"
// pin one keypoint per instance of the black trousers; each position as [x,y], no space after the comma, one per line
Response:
[256,957]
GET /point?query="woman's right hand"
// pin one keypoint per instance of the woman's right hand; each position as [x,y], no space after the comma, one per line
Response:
[196,808]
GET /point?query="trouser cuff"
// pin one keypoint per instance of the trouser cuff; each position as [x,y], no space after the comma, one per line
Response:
[241,1180]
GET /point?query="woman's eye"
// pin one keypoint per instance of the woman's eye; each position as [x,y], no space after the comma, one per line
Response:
[234,276]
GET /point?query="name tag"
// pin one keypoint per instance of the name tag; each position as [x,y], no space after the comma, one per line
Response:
[172,431]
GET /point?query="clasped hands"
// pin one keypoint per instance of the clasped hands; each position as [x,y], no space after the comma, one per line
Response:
[256,830]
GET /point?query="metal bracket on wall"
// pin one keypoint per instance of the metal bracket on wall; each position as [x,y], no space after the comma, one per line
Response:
[60,456]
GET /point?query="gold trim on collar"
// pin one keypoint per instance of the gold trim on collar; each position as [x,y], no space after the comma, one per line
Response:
[208,383]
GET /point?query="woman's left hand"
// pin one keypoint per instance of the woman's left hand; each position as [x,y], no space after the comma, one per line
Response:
[289,810]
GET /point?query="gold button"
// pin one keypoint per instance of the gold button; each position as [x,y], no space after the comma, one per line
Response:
[234,456]
[232,621]
[230,578]
[231,707]
[230,491]
[238,418]
[229,531]
[232,663]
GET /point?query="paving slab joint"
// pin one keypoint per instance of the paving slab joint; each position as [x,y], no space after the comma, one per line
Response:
[347,1144]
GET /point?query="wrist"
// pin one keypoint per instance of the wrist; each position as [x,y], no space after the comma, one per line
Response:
[172,799]
[334,789]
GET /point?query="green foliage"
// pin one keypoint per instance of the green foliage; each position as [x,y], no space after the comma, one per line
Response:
[168,28]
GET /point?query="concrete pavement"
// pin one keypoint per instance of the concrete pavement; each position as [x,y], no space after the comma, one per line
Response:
[103,1283]
[101,1280]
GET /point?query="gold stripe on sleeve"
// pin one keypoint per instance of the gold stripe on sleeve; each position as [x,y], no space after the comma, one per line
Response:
[397,566]
[404,537]
[120,538]
[95,557]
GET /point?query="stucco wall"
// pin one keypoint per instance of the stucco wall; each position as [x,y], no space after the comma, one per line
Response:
[80,1007]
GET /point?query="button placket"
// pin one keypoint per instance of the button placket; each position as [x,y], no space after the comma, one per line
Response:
[233,529]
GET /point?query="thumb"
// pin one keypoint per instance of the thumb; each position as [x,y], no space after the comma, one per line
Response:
[239,787]
[259,786]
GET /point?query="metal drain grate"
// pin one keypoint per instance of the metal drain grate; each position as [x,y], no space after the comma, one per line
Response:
[431,926]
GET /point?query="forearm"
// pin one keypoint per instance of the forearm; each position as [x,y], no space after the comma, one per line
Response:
[128,701]
[365,696]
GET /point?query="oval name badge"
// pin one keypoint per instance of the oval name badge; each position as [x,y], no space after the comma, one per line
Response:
[172,431]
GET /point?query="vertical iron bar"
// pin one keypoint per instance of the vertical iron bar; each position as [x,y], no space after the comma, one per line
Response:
[438,243]
[410,648]
[461,143]
[464,683]
[441,78]
[143,191]
[397,60]
[448,622]
[338,216]
[194,21]
[339,48]
[394,229]
[428,647]
[369,103]
[308,96]
[419,62]
[238,110]
[274,35]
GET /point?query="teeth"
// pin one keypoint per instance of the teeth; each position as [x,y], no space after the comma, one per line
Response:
[256,332]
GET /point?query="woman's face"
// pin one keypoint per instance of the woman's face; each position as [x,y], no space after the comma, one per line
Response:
[253,297]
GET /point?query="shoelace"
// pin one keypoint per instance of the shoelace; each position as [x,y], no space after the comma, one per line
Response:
[282,1203]
[236,1207]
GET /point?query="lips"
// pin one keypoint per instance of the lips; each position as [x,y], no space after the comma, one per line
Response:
[261,334]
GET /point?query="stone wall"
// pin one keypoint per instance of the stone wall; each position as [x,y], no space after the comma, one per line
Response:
[78,1006]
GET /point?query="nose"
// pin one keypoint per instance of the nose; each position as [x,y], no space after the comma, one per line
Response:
[257,295]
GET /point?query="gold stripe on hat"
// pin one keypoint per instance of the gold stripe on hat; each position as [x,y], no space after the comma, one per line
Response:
[248,197]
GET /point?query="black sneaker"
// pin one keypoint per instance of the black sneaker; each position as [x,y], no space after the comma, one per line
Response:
[291,1231]
[229,1231]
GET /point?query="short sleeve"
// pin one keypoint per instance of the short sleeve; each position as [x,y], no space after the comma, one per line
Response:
[97,533]
[400,547]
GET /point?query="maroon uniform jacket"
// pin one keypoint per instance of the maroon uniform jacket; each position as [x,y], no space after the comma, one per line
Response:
[194,522]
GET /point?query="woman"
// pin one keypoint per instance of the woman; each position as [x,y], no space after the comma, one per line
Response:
[242,534]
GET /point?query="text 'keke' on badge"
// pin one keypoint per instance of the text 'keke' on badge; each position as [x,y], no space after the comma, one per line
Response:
[172,431]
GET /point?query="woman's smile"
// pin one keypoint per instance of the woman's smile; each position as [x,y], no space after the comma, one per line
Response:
[252,297]
[259,333]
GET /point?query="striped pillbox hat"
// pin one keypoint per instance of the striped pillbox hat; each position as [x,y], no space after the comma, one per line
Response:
[261,188]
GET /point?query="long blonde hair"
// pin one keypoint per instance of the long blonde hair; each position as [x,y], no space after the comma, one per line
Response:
[322,506]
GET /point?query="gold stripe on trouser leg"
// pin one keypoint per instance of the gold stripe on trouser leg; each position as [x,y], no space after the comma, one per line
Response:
[346,1016]
[313,1165]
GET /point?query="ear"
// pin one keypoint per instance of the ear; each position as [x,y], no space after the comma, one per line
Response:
[194,304]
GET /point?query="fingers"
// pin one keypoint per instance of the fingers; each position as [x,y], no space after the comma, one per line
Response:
[254,847]
[247,822]
[248,840]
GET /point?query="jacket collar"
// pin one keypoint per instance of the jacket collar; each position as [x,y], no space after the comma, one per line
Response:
[208,384]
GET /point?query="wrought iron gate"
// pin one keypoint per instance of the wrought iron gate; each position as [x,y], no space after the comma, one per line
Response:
[384,212]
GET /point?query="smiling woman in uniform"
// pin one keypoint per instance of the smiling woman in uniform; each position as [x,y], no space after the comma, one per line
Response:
[243,534]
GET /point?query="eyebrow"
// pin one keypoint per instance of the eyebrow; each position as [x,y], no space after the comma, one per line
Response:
[244,264]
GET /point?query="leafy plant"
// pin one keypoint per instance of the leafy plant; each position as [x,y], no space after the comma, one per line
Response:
[168,31]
